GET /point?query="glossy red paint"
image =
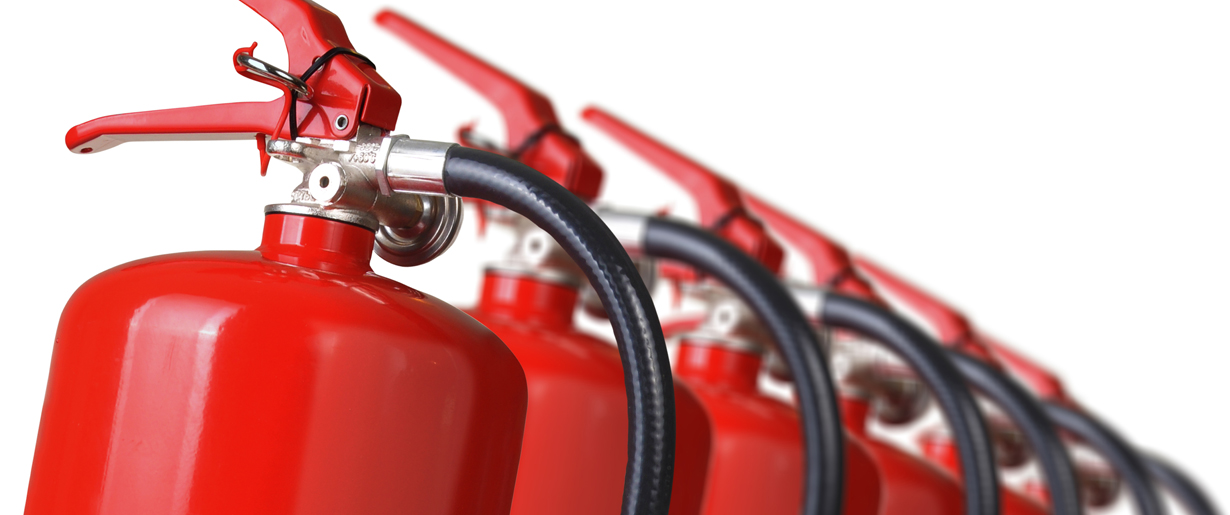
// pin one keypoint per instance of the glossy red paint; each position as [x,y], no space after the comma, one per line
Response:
[576,428]
[352,87]
[289,380]
[911,485]
[756,462]
[532,126]
[717,199]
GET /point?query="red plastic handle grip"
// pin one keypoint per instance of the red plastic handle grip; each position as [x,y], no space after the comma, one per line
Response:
[529,116]
[212,122]
[524,109]
[721,208]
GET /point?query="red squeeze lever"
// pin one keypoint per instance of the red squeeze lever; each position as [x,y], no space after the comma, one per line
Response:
[717,199]
[535,136]
[955,329]
[1042,382]
[331,103]
[831,264]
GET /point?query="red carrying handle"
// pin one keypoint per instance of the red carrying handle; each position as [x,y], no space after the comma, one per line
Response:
[717,199]
[831,264]
[345,91]
[535,136]
[953,328]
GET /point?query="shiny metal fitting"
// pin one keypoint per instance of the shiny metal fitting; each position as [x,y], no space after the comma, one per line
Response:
[809,298]
[411,166]
[434,233]
[536,254]
[394,180]
[729,323]
[629,228]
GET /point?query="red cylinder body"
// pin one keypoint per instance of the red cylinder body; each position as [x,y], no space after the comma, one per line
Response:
[911,485]
[576,429]
[287,380]
[756,463]
[941,449]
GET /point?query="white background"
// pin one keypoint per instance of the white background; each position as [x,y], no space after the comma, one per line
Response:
[1057,168]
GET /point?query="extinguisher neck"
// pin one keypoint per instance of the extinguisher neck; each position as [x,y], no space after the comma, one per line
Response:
[720,366]
[320,243]
[528,299]
[854,412]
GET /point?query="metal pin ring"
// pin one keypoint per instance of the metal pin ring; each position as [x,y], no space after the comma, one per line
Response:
[269,71]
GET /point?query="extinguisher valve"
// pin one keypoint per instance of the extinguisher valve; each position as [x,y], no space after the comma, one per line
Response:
[393,185]
[729,324]
[536,254]
[864,368]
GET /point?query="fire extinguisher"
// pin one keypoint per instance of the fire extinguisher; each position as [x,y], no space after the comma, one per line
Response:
[898,397]
[823,466]
[529,117]
[954,329]
[576,418]
[756,456]
[291,379]
[1138,471]
[719,205]
[833,267]
[1030,416]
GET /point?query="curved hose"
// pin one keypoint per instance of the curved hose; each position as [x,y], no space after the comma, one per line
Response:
[1115,450]
[1183,488]
[819,413]
[951,393]
[647,375]
[1025,410]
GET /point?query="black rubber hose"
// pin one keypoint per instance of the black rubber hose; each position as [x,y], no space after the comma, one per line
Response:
[1027,412]
[930,362]
[647,375]
[819,412]
[1180,485]
[1121,456]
